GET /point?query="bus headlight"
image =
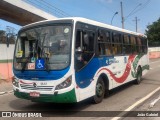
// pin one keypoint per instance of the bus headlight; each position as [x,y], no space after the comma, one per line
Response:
[64,84]
[15,81]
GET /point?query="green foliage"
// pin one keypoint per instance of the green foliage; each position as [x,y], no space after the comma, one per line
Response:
[3,37]
[2,33]
[153,33]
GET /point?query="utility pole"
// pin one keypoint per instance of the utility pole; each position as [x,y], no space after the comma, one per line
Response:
[136,20]
[122,15]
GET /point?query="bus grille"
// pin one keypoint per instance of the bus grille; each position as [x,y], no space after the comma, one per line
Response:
[40,88]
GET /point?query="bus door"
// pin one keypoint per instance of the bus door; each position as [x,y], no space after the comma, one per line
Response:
[85,64]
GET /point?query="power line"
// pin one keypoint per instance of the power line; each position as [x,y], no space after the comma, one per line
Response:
[144,5]
[131,13]
[56,8]
[135,11]
[37,5]
[52,9]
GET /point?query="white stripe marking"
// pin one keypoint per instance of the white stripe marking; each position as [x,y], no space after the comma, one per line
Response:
[136,104]
[1,93]
[154,102]
[8,92]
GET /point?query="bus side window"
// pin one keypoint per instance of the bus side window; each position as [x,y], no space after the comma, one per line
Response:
[104,43]
[126,44]
[133,45]
[144,45]
[78,41]
[139,45]
[116,43]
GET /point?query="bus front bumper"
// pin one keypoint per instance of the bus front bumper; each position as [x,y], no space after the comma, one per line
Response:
[68,97]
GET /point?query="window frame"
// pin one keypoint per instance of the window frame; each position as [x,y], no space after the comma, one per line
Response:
[120,34]
[104,42]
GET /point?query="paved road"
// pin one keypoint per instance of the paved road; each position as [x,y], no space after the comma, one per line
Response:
[119,99]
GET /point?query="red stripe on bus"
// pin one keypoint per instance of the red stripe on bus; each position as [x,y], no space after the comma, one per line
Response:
[126,72]
[25,82]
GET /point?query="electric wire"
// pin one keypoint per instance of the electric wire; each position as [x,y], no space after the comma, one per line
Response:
[131,13]
[55,11]
[52,9]
[44,8]
[135,11]
[142,6]
[56,8]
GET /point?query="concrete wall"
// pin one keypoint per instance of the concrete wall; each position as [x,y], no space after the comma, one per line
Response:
[6,53]
[154,52]
[6,56]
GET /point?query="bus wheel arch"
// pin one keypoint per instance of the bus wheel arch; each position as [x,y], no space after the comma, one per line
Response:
[101,89]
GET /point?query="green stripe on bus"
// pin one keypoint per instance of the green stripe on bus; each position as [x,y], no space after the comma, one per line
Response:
[68,97]
[145,67]
[135,65]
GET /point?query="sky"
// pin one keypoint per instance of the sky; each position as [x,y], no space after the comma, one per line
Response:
[147,11]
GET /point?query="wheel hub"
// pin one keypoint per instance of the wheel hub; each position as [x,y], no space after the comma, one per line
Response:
[99,90]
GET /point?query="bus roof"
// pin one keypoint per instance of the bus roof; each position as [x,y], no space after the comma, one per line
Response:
[88,21]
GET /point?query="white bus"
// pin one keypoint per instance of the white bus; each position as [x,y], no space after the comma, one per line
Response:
[72,59]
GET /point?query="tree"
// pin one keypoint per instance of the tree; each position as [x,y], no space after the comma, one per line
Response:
[3,37]
[153,33]
[2,32]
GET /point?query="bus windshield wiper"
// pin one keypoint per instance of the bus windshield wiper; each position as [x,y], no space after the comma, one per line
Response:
[36,51]
[42,50]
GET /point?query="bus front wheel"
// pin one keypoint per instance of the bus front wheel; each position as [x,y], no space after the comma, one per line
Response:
[100,91]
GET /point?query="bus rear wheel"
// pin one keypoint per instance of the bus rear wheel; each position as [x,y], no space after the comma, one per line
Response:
[139,75]
[100,91]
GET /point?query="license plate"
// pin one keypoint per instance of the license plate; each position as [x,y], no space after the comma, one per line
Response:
[34,94]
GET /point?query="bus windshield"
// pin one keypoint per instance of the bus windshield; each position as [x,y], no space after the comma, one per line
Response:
[48,45]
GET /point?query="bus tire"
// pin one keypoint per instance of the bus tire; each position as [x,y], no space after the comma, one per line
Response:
[139,76]
[100,91]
